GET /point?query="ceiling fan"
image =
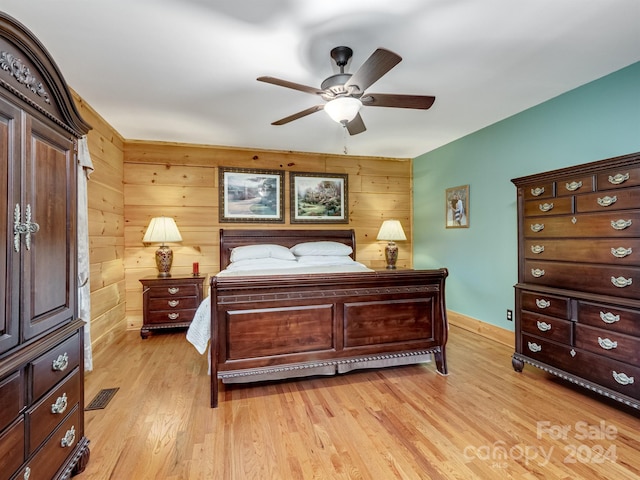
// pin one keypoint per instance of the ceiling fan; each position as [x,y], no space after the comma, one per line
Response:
[345,93]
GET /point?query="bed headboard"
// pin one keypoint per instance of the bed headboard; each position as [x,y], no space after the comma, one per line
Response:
[231,238]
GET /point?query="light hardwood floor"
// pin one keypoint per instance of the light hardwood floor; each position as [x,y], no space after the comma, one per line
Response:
[483,421]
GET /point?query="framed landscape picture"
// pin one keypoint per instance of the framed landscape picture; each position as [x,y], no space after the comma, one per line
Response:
[248,195]
[457,207]
[319,197]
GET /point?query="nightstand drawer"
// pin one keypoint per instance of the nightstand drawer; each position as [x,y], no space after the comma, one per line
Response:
[178,303]
[173,291]
[169,316]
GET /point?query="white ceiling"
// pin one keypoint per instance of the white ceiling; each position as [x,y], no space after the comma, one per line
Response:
[185,70]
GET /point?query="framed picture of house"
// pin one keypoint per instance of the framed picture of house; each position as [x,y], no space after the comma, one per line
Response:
[319,197]
[457,207]
[248,195]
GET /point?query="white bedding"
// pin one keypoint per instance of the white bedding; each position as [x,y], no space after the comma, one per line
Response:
[199,331]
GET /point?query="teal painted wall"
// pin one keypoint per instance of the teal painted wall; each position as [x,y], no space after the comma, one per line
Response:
[596,121]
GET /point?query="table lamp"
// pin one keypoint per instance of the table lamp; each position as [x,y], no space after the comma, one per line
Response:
[162,230]
[391,230]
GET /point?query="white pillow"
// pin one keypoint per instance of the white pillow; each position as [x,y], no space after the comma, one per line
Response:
[326,260]
[321,248]
[255,264]
[265,250]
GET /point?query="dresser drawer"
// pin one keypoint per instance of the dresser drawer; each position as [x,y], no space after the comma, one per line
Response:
[550,305]
[173,291]
[553,206]
[173,303]
[53,454]
[11,398]
[612,344]
[11,448]
[601,279]
[170,316]
[625,223]
[539,191]
[621,251]
[54,365]
[51,410]
[619,178]
[547,327]
[622,199]
[612,318]
[609,373]
[572,185]
[545,351]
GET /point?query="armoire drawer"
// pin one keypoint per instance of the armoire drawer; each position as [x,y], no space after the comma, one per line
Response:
[610,317]
[550,305]
[11,398]
[612,344]
[11,448]
[54,365]
[51,456]
[547,327]
[51,410]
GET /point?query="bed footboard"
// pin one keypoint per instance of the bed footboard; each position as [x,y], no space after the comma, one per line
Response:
[275,327]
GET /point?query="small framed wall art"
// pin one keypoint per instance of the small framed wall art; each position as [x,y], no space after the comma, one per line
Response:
[457,207]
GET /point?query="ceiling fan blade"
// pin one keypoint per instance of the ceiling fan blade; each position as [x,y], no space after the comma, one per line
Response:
[298,115]
[286,83]
[356,125]
[422,102]
[379,63]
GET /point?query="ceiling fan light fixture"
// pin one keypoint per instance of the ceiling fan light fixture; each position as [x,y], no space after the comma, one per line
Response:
[343,109]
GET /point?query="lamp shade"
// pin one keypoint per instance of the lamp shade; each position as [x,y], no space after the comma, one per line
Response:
[162,230]
[391,230]
[343,109]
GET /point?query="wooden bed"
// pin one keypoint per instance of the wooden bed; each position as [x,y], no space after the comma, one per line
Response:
[268,327]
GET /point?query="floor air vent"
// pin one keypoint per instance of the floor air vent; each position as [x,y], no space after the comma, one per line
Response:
[102,399]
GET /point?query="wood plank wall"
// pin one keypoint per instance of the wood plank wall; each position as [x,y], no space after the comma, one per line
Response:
[106,227]
[181,181]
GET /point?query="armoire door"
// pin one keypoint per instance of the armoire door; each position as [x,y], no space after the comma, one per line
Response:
[10,125]
[48,255]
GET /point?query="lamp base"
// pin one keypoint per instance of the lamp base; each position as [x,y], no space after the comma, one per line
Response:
[164,259]
[391,255]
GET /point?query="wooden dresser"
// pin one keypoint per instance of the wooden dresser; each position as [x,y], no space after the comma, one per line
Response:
[41,339]
[169,302]
[578,292]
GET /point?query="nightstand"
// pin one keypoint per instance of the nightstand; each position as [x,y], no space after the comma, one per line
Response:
[169,302]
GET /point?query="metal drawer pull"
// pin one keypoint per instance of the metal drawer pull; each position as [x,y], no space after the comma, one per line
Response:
[573,186]
[545,207]
[26,228]
[620,224]
[621,282]
[607,201]
[69,438]
[173,303]
[544,326]
[542,303]
[173,290]
[536,272]
[609,317]
[618,178]
[607,344]
[622,378]
[621,252]
[173,316]
[60,406]
[537,227]
[27,474]
[61,363]
[537,249]
[534,347]
[536,192]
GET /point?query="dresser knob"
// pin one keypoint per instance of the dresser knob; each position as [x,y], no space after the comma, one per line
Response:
[537,273]
[173,290]
[173,303]
[60,406]
[573,186]
[620,224]
[61,363]
[537,249]
[173,316]
[542,303]
[545,207]
[534,347]
[607,344]
[537,227]
[618,178]
[536,192]
[544,326]
[622,378]
[609,317]
[621,282]
[69,438]
[621,252]
[607,201]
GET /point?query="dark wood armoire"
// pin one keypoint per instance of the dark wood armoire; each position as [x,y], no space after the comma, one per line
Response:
[41,337]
